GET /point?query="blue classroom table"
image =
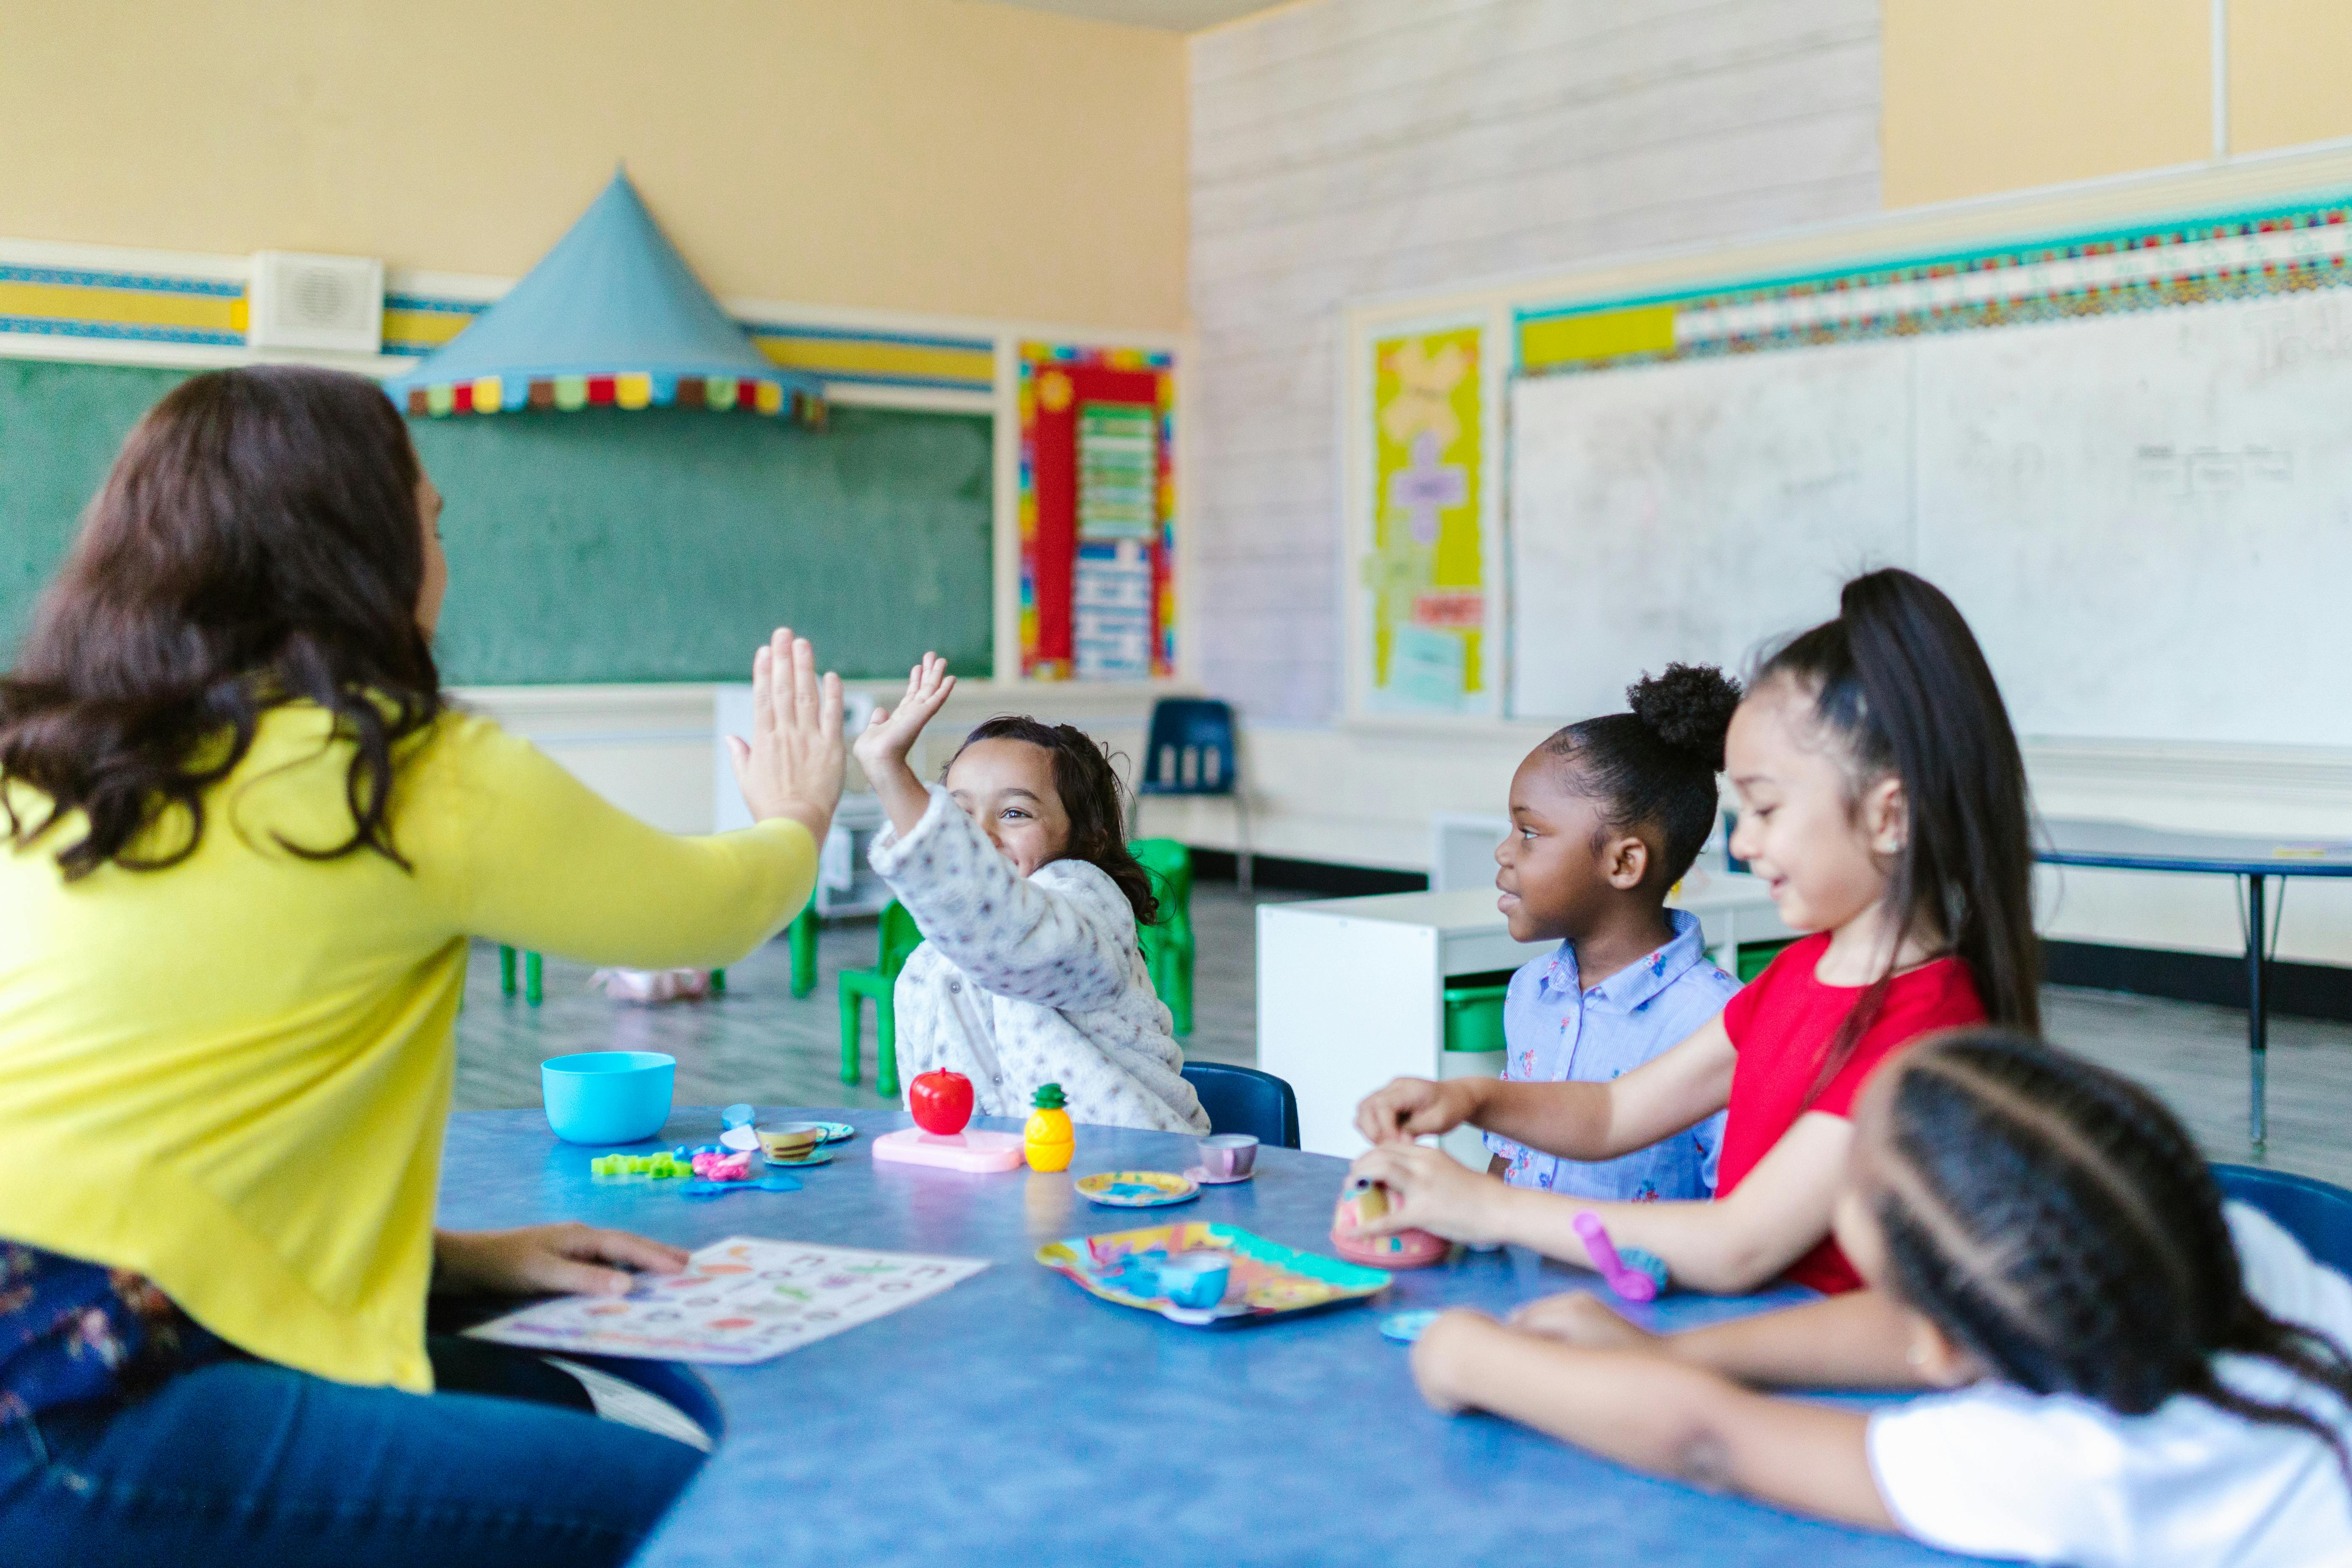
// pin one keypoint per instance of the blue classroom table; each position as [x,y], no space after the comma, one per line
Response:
[1016,1420]
[2124,846]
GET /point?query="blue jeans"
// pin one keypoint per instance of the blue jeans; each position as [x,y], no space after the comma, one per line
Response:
[244,1462]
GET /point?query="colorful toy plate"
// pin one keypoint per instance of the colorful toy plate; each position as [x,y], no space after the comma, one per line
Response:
[1137,1189]
[837,1132]
[1268,1280]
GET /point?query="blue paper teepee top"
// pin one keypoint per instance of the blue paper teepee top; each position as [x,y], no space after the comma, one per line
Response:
[612,315]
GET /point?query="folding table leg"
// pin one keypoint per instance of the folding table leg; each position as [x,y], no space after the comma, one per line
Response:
[2257,1012]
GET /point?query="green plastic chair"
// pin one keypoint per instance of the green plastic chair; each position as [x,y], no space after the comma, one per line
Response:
[800,938]
[534,990]
[1168,945]
[899,938]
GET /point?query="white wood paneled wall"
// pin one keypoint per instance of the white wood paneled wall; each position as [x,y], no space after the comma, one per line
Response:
[1355,148]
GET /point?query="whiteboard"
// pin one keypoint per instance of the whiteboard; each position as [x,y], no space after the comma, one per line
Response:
[2147,519]
[1692,511]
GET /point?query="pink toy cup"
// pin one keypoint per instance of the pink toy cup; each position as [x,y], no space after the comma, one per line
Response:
[1228,1156]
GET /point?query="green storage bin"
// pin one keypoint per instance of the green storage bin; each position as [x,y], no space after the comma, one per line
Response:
[1474,1017]
[1755,955]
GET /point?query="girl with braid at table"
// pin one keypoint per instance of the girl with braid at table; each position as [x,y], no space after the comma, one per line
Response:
[2121,1370]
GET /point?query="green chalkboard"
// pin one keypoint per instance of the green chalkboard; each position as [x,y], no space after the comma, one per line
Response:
[605,545]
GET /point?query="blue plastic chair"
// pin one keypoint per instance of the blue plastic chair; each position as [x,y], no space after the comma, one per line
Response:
[2317,1213]
[1193,750]
[1243,1099]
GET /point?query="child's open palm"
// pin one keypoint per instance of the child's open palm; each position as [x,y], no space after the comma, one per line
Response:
[891,733]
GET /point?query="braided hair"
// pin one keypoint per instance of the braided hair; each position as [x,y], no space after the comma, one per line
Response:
[1091,796]
[1900,683]
[2057,1221]
[1657,765]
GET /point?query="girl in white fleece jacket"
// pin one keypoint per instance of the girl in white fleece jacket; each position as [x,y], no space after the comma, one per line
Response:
[1019,875]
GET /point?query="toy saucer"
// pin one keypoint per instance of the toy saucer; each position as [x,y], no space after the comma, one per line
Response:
[834,1132]
[1403,1328]
[820,1155]
[1200,1176]
[1137,1189]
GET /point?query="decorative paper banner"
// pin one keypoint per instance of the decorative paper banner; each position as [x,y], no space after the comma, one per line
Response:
[1426,569]
[720,394]
[1098,512]
[2190,262]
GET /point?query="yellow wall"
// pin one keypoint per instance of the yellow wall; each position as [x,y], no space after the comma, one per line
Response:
[1997,95]
[941,155]
[2287,60]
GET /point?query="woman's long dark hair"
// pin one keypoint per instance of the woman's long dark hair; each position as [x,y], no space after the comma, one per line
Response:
[2057,1221]
[256,543]
[1090,792]
[1900,683]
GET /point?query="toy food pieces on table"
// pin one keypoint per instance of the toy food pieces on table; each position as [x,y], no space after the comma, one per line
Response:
[1633,1273]
[1363,1201]
[942,1103]
[1047,1141]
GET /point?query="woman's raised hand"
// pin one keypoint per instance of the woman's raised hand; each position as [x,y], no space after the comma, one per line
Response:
[892,733]
[792,766]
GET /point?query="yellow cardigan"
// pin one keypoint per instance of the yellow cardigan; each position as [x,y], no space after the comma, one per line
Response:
[232,1076]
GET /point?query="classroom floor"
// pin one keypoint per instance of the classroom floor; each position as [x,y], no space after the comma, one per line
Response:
[757,1044]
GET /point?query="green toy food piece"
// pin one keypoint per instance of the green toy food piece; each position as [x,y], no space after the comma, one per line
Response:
[1048,1096]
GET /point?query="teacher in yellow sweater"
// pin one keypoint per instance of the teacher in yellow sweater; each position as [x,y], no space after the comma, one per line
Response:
[244,844]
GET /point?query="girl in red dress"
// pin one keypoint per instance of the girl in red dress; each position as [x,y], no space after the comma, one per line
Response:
[1883,801]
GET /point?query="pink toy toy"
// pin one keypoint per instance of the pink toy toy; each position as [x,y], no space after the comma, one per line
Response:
[1367,1200]
[955,1150]
[1630,1284]
[723,1167]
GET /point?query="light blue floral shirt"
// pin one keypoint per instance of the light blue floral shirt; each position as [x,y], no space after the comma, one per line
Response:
[1558,1031]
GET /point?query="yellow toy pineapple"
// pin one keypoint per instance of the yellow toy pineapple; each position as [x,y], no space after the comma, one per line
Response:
[1047,1140]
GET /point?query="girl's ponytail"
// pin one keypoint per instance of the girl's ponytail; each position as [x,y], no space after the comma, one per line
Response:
[1899,678]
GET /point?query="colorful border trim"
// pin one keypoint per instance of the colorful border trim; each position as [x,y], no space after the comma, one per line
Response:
[2189,261]
[1034,359]
[74,302]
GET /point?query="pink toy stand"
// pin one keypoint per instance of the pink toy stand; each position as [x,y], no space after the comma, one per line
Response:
[955,1152]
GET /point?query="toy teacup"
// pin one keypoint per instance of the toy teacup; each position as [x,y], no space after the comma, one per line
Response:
[1195,1280]
[791,1139]
[1363,1201]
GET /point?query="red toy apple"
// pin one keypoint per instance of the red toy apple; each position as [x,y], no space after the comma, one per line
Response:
[941,1101]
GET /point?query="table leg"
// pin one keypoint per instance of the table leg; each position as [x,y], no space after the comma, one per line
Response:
[2257,1011]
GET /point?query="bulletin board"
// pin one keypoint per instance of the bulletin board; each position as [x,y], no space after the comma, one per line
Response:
[1098,512]
[1424,563]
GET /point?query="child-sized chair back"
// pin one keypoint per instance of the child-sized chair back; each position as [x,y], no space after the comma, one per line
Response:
[1243,1099]
[1167,942]
[900,938]
[1171,866]
[2317,1213]
[1191,750]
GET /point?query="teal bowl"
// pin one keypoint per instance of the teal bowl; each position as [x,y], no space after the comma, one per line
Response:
[607,1097]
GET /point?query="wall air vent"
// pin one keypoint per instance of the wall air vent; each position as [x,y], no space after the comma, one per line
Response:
[332,303]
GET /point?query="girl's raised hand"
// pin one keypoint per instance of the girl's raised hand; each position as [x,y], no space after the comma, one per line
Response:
[891,733]
[792,767]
